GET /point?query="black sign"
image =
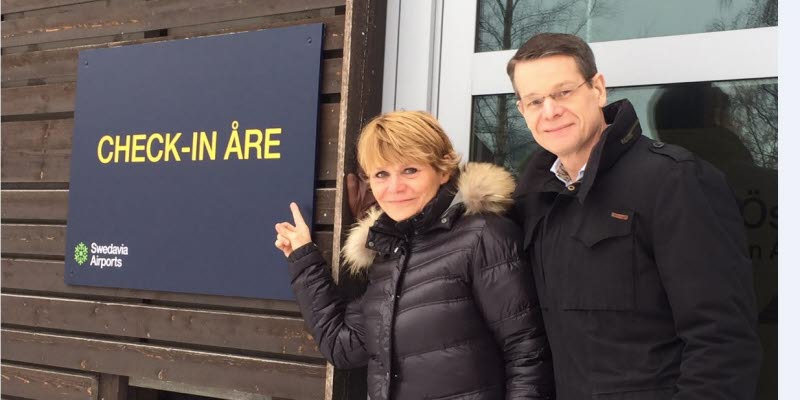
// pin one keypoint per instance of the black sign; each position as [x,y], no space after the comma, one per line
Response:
[185,154]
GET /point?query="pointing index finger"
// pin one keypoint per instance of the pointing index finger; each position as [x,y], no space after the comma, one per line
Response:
[298,217]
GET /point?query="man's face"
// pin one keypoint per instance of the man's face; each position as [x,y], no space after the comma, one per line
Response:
[570,126]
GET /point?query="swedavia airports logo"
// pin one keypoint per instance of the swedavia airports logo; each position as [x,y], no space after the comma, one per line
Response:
[98,254]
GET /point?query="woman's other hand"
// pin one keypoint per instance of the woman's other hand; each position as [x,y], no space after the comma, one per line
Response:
[359,196]
[292,237]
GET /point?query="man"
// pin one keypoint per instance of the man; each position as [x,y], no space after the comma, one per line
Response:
[637,247]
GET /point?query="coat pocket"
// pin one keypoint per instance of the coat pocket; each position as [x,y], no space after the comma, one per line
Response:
[599,272]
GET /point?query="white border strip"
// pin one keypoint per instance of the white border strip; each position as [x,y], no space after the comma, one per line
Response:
[390,59]
[411,55]
[714,56]
[454,102]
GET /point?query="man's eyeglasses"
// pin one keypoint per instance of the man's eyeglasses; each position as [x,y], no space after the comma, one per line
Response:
[535,103]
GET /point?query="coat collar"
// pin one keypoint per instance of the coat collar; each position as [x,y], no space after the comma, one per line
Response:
[622,132]
[480,188]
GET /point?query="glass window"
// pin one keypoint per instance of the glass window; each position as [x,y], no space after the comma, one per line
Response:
[732,124]
[749,108]
[506,24]
[499,133]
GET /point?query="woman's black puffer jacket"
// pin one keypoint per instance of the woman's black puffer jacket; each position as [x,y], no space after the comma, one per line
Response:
[450,310]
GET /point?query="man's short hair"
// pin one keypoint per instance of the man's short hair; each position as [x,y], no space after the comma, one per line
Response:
[550,44]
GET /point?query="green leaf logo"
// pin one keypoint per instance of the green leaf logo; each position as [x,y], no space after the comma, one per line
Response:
[81,253]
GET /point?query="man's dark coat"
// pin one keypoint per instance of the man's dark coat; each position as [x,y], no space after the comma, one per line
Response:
[642,272]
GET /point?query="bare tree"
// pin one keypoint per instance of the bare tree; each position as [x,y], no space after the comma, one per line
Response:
[754,116]
[754,108]
[761,13]
[506,24]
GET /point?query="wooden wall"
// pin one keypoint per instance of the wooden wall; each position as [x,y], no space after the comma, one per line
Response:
[65,342]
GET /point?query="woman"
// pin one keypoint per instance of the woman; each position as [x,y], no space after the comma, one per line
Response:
[450,310]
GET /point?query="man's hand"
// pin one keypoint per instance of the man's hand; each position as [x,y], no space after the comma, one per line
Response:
[292,237]
[359,197]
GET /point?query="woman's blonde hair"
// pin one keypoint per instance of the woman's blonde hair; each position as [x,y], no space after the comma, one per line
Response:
[406,136]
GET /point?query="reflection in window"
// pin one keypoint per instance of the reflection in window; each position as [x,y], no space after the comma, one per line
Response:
[731,124]
[499,133]
[506,24]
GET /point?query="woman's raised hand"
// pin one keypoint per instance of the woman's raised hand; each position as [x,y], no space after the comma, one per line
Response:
[291,237]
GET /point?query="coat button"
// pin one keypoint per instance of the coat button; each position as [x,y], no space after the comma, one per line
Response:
[571,187]
[658,144]
[371,244]
[444,220]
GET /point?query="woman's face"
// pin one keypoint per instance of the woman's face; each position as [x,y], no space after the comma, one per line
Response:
[402,190]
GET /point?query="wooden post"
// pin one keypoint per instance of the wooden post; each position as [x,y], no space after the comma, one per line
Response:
[361,89]
[113,387]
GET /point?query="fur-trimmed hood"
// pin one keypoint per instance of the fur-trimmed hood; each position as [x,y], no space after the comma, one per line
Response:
[482,188]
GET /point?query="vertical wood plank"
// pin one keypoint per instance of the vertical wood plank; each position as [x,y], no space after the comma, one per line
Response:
[361,89]
[113,387]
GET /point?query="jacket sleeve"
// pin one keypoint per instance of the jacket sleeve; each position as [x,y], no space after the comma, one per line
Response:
[337,326]
[506,296]
[700,250]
